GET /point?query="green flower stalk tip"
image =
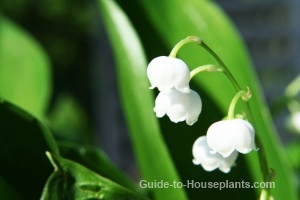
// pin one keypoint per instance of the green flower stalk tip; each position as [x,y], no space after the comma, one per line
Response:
[241,94]
[183,42]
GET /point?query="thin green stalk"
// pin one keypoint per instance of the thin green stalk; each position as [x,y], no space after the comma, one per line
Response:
[262,156]
[183,42]
[240,94]
[291,91]
[226,70]
[293,88]
[205,68]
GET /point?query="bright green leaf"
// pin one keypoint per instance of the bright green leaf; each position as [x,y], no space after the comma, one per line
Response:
[23,141]
[152,155]
[73,181]
[24,69]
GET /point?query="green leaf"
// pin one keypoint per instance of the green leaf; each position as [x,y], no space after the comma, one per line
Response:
[24,69]
[23,141]
[175,20]
[97,161]
[73,181]
[151,153]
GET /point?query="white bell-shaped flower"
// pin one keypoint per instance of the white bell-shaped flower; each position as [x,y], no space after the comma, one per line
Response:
[168,73]
[209,162]
[178,106]
[295,121]
[227,136]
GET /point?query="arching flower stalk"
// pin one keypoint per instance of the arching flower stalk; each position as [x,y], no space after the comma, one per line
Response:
[232,134]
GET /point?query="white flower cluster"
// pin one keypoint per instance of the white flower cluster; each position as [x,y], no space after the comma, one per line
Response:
[224,139]
[220,147]
[172,76]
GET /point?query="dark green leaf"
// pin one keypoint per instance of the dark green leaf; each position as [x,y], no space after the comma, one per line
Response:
[73,181]
[23,142]
[97,161]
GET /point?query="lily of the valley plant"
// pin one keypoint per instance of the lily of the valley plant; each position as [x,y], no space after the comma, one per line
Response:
[225,138]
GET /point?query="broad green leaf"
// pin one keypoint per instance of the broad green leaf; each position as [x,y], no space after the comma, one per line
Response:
[70,180]
[175,20]
[23,141]
[24,69]
[151,153]
[97,161]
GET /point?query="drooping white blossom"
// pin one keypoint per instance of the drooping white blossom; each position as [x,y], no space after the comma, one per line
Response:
[227,136]
[295,120]
[178,106]
[208,161]
[168,73]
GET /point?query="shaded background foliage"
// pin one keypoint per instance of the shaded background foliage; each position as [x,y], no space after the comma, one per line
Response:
[73,35]
[64,29]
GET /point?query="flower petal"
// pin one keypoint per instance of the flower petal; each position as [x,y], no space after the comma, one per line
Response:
[244,136]
[168,73]
[195,108]
[178,106]
[229,135]
[208,161]
[162,104]
[219,138]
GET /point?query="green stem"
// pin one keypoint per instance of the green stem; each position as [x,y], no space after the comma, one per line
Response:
[233,103]
[293,106]
[183,42]
[265,193]
[291,91]
[262,156]
[293,88]
[226,70]
[205,68]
